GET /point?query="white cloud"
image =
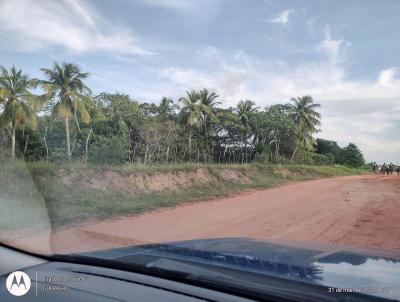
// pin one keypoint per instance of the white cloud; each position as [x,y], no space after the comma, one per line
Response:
[387,78]
[72,24]
[200,11]
[331,46]
[174,4]
[228,83]
[283,17]
[349,107]
[374,129]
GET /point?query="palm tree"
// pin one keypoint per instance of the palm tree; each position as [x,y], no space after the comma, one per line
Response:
[245,110]
[191,114]
[166,109]
[65,90]
[19,104]
[209,100]
[306,118]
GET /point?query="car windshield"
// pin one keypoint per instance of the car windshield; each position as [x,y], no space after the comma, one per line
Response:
[210,139]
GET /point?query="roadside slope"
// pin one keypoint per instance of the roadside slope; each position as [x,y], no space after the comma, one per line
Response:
[78,194]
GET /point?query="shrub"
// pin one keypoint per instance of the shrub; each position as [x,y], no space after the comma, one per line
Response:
[109,150]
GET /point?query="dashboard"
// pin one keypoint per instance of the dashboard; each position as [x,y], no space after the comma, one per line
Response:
[62,282]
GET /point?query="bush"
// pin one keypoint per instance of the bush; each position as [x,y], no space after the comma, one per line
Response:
[109,150]
[352,156]
[30,145]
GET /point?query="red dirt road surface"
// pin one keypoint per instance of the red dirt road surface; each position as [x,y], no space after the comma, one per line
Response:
[362,211]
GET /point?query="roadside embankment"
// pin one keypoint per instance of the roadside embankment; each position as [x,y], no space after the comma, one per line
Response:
[77,193]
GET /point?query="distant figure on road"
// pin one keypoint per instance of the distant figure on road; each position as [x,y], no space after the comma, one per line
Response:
[398,170]
[384,169]
[391,168]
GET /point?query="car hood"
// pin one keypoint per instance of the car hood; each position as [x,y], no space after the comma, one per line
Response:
[372,272]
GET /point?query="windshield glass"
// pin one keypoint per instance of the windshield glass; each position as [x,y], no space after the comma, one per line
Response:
[258,136]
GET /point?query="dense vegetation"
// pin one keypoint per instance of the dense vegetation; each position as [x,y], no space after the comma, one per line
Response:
[65,122]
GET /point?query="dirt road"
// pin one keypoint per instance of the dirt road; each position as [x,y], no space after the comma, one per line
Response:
[357,210]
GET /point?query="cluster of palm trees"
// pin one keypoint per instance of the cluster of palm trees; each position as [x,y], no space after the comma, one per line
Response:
[198,109]
[18,103]
[65,96]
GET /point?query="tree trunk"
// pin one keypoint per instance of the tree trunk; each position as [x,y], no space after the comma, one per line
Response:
[74,144]
[206,136]
[205,129]
[183,156]
[277,142]
[129,144]
[26,145]
[134,153]
[13,143]
[146,154]
[245,151]
[245,146]
[167,155]
[68,138]
[294,153]
[87,146]
[45,144]
[190,143]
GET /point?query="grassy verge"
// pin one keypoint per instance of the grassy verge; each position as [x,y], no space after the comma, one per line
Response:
[29,191]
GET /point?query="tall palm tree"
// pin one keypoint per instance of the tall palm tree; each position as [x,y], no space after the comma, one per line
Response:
[191,114]
[65,90]
[209,100]
[19,104]
[245,110]
[305,116]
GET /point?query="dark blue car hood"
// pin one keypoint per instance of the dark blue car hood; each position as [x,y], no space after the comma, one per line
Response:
[367,271]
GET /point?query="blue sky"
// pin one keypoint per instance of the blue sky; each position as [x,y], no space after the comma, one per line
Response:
[346,54]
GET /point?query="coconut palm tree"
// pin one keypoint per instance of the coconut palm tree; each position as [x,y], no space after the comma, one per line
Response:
[209,100]
[245,110]
[19,104]
[65,90]
[307,119]
[191,113]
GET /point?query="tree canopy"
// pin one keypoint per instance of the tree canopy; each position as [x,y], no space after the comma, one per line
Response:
[114,128]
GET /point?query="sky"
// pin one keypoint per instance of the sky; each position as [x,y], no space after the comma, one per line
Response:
[345,54]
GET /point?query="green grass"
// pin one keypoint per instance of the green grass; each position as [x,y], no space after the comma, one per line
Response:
[29,191]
